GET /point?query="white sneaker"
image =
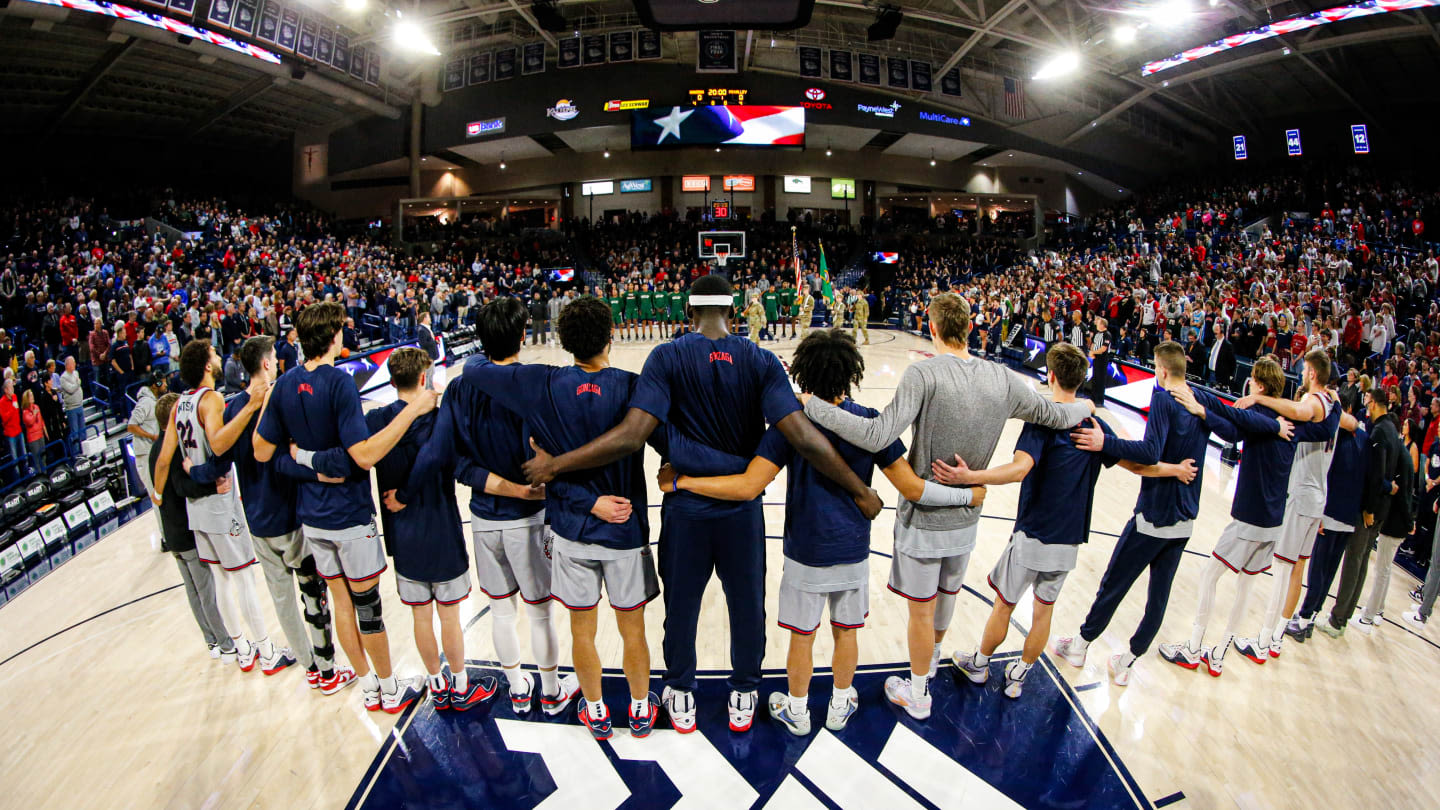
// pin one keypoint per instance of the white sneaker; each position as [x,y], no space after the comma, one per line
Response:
[372,699]
[681,708]
[1065,647]
[1364,625]
[742,709]
[796,724]
[837,716]
[1120,673]
[215,651]
[555,704]
[1413,618]
[965,665]
[897,690]
[1013,683]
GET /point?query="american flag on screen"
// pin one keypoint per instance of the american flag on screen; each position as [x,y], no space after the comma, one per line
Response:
[736,124]
[1014,97]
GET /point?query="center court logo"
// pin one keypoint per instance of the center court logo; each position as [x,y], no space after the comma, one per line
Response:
[880,111]
[563,110]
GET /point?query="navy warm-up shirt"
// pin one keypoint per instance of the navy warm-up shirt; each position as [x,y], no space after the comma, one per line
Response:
[823,526]
[1062,479]
[477,436]
[717,393]
[319,410]
[1263,483]
[1343,488]
[565,408]
[425,538]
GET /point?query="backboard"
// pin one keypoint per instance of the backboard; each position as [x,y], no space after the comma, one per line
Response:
[707,240]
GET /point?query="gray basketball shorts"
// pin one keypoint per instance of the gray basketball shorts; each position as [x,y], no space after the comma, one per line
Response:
[921,579]
[355,552]
[1009,578]
[513,560]
[449,592]
[232,550]
[579,570]
[1243,556]
[1297,537]
[801,610]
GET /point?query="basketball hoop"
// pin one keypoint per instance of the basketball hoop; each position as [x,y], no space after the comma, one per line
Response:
[722,254]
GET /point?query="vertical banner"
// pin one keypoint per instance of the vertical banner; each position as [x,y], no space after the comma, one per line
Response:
[246,14]
[221,13]
[920,76]
[809,62]
[372,67]
[1241,150]
[182,8]
[454,76]
[1360,136]
[869,69]
[569,53]
[357,62]
[305,45]
[950,83]
[289,28]
[622,46]
[1292,142]
[269,26]
[592,49]
[842,66]
[341,57]
[715,52]
[532,59]
[324,41]
[898,71]
[504,64]
[479,69]
[647,44]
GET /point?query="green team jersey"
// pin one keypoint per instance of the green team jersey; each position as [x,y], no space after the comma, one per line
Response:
[647,309]
[677,307]
[632,304]
[739,301]
[771,301]
[787,300]
[616,308]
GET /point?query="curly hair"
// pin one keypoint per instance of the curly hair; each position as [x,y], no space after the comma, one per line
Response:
[827,363]
[584,327]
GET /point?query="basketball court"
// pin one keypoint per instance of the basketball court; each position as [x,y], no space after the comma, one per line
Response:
[107,644]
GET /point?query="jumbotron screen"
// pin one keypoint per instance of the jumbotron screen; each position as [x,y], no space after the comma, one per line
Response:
[733,125]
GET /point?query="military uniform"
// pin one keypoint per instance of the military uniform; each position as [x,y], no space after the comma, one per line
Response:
[860,311]
[755,316]
[806,306]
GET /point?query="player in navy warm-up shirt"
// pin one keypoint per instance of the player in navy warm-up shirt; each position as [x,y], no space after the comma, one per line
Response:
[719,391]
[317,407]
[1343,492]
[1155,537]
[600,527]
[486,444]
[827,537]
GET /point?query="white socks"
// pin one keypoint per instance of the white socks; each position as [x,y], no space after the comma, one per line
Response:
[839,697]
[460,681]
[549,682]
[799,705]
[370,682]
[919,687]
[389,685]
[596,709]
[1126,659]
[437,681]
[980,658]
[639,708]
[1079,645]
[516,679]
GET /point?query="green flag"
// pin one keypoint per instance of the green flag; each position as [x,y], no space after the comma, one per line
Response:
[826,290]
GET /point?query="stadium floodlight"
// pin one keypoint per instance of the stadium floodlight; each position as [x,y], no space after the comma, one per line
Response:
[1060,65]
[1169,13]
[354,5]
[411,38]
[1124,34]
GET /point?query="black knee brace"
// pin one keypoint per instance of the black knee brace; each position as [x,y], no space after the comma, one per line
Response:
[367,611]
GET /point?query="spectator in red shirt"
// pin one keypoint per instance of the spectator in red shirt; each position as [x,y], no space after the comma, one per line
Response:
[69,329]
[34,422]
[132,330]
[10,420]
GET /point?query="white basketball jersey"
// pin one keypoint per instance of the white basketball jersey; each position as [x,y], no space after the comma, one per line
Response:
[213,513]
[1312,466]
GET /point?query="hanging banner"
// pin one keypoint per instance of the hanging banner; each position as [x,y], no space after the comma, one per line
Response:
[479,72]
[504,64]
[842,66]
[715,52]
[869,69]
[269,26]
[357,63]
[569,53]
[289,29]
[622,46]
[592,51]
[950,83]
[454,76]
[221,13]
[305,46]
[372,67]
[340,58]
[898,71]
[810,62]
[647,44]
[920,76]
[324,41]
[532,59]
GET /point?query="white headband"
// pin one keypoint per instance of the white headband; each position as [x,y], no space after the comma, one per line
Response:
[711,300]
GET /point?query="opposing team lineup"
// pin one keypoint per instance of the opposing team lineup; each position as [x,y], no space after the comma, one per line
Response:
[553,457]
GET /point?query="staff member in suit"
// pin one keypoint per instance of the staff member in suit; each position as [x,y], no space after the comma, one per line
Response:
[431,346]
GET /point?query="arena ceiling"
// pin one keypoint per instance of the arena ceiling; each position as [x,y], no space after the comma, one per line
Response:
[79,73]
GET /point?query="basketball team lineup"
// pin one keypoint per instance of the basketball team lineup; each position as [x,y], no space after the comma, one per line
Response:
[1002,538]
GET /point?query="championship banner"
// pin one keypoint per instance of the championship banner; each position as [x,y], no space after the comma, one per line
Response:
[869,69]
[592,49]
[221,13]
[454,76]
[622,46]
[899,72]
[324,41]
[532,59]
[305,46]
[289,28]
[479,69]
[182,8]
[246,14]
[504,64]
[716,52]
[950,83]
[842,66]
[647,44]
[341,57]
[920,76]
[372,67]
[357,63]
[269,27]
[569,53]
[809,62]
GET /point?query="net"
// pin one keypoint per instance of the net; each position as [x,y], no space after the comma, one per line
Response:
[722,254]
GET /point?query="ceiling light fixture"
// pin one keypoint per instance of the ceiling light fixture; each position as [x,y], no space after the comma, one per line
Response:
[1124,34]
[410,37]
[1060,65]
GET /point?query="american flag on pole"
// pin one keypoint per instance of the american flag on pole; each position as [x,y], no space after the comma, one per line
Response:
[1014,97]
[795,251]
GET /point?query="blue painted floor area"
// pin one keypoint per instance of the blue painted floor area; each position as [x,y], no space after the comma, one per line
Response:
[1040,751]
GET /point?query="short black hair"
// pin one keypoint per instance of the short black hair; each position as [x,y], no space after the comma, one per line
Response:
[502,327]
[827,363]
[318,324]
[584,327]
[254,351]
[712,284]
[194,359]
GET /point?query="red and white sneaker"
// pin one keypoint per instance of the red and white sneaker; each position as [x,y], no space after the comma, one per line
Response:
[407,691]
[283,659]
[600,727]
[312,678]
[247,659]
[372,699]
[680,706]
[343,677]
[742,710]
[556,703]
